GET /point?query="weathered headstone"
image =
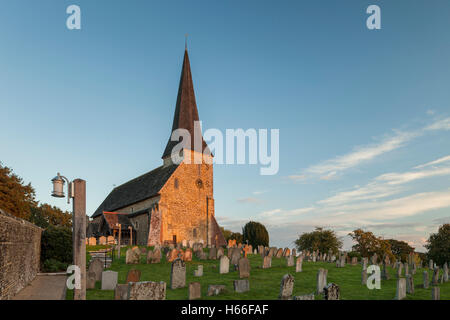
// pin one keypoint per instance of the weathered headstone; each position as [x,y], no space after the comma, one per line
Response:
[401,289]
[279,253]
[267,262]
[304,297]
[435,279]
[235,256]
[96,266]
[426,280]
[220,252]
[188,255]
[224,265]
[178,274]
[409,284]
[331,292]
[399,269]
[215,289]
[298,264]
[286,287]
[121,292]
[435,293]
[195,290]
[242,285]
[199,271]
[430,264]
[147,290]
[90,280]
[133,256]
[290,261]
[102,240]
[244,268]
[406,269]
[354,261]
[109,280]
[321,279]
[212,254]
[133,275]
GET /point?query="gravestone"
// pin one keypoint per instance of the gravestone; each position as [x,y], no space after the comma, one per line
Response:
[121,292]
[406,269]
[290,261]
[409,284]
[286,252]
[199,271]
[430,264]
[244,268]
[435,293]
[90,280]
[354,261]
[224,265]
[178,274]
[212,253]
[195,291]
[384,272]
[215,289]
[220,252]
[172,255]
[401,289]
[267,262]
[200,254]
[294,252]
[298,264]
[102,240]
[188,255]
[96,266]
[426,280]
[286,287]
[92,241]
[235,256]
[279,253]
[109,280]
[331,292]
[304,297]
[399,269]
[242,285]
[321,279]
[435,278]
[374,259]
[147,290]
[133,256]
[133,275]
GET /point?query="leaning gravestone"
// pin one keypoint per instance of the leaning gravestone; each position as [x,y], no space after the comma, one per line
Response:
[121,292]
[195,291]
[286,287]
[331,292]
[321,279]
[244,268]
[96,266]
[147,290]
[401,289]
[298,265]
[133,275]
[426,280]
[409,284]
[224,265]
[267,262]
[178,274]
[242,285]
[109,280]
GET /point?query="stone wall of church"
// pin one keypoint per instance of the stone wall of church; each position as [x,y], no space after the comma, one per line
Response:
[20,250]
[184,198]
[141,225]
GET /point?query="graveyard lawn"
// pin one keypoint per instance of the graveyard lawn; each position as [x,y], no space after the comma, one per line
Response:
[265,283]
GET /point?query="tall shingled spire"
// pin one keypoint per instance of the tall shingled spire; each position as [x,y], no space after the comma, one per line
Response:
[186,109]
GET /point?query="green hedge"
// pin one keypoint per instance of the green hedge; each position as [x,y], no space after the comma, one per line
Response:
[56,249]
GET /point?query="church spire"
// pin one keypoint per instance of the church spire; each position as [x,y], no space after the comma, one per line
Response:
[186,109]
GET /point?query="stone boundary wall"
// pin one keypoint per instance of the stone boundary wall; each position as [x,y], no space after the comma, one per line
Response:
[20,251]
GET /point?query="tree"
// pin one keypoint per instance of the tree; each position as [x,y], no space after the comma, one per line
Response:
[256,234]
[226,233]
[16,197]
[400,249]
[367,244]
[45,215]
[319,239]
[438,245]
[236,236]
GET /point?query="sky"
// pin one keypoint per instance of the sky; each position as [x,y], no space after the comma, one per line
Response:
[363,115]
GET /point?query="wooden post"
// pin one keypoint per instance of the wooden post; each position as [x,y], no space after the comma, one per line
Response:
[79,235]
[120,233]
[131,235]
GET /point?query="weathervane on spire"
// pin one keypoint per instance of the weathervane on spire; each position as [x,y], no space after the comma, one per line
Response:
[185,40]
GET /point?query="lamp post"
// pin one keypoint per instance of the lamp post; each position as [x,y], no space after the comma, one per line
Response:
[76,191]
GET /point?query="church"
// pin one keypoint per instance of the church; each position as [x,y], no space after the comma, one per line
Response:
[172,203]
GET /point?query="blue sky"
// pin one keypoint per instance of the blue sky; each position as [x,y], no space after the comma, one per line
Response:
[364,115]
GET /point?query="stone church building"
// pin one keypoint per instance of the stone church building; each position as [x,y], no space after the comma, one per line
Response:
[173,202]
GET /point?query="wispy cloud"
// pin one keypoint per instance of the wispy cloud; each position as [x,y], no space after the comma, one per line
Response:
[249,200]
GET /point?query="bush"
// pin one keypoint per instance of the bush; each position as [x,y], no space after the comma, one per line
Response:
[52,265]
[56,247]
[256,234]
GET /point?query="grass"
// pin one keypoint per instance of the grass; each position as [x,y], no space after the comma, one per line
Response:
[265,283]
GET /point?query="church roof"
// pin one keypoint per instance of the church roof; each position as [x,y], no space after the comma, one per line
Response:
[185,110]
[136,190]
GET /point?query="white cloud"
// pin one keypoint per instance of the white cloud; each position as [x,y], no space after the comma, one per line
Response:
[435,162]
[249,200]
